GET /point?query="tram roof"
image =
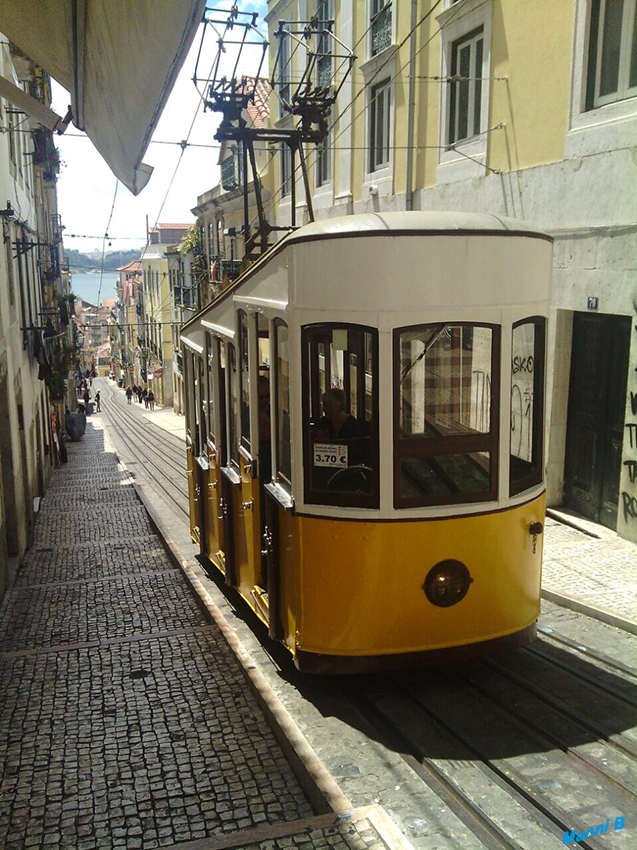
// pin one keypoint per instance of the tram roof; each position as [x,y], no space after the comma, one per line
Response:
[414,222]
[403,223]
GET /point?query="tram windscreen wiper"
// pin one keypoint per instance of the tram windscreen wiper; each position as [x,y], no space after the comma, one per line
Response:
[435,335]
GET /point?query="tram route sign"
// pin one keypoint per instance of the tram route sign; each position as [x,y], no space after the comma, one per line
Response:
[327,454]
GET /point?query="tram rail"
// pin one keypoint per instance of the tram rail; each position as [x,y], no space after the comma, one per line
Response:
[147,454]
[414,720]
[555,716]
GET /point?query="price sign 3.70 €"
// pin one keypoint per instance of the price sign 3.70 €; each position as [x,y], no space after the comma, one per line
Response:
[327,454]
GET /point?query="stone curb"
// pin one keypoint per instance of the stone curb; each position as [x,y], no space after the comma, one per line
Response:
[596,613]
[321,788]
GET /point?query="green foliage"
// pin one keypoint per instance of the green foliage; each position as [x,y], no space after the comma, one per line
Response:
[191,243]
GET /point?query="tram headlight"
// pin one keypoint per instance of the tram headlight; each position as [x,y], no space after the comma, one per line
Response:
[447,583]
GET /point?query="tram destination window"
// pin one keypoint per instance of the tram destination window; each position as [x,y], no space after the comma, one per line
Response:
[446,403]
[340,415]
[527,403]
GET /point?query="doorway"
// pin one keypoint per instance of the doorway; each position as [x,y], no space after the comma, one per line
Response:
[596,408]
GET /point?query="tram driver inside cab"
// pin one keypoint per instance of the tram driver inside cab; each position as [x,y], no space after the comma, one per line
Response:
[336,424]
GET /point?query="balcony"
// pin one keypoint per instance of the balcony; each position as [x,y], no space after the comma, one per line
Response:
[230,173]
[46,154]
[231,269]
[381,26]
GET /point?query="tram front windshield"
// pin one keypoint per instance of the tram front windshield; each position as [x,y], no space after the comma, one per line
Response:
[341,415]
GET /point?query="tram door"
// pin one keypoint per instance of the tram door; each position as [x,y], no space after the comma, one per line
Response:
[213,516]
[250,501]
[597,400]
[279,541]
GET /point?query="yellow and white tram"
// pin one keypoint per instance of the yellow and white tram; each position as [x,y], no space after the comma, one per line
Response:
[365,437]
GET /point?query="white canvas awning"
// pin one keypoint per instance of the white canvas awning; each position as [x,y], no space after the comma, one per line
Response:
[118,59]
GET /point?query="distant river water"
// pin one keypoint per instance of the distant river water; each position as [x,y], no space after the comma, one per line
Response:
[87,286]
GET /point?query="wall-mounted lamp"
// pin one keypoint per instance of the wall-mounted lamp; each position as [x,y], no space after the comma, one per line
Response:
[9,212]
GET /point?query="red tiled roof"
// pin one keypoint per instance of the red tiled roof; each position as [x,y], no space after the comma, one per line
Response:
[133,266]
[172,227]
[258,110]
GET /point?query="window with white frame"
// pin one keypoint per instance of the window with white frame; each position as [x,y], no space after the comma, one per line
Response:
[284,71]
[465,93]
[380,126]
[380,25]
[612,55]
[324,59]
[323,158]
[286,171]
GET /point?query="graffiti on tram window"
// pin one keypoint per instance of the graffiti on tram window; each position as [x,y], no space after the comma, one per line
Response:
[522,368]
[629,500]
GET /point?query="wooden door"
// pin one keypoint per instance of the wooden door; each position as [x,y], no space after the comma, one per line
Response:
[597,398]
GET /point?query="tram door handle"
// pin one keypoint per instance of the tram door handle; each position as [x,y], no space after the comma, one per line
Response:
[223,508]
[212,485]
[247,506]
[534,529]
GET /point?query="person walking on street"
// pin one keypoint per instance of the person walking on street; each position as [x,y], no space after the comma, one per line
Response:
[87,398]
[145,397]
[140,395]
[129,394]
[151,400]
[97,402]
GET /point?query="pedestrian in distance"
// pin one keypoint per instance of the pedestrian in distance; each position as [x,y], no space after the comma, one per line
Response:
[140,395]
[87,398]
[134,389]
[129,394]
[151,400]
[97,402]
[145,397]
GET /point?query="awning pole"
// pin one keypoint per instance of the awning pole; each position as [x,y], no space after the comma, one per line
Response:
[38,111]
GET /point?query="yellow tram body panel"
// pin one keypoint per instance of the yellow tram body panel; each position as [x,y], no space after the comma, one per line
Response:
[361,583]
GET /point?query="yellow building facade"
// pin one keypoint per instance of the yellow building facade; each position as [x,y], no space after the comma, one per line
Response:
[523,109]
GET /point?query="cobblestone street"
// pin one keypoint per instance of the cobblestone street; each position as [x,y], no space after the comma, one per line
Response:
[125,720]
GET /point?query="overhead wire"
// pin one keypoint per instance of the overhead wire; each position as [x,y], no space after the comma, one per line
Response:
[366,86]
[110,218]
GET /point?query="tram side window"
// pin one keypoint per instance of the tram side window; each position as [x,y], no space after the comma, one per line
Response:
[282,390]
[210,346]
[527,403]
[446,381]
[233,414]
[244,375]
[340,375]
[202,408]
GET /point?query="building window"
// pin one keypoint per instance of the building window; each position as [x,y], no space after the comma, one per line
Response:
[284,72]
[465,95]
[379,126]
[446,413]
[324,58]
[380,25]
[286,171]
[244,378]
[323,158]
[612,58]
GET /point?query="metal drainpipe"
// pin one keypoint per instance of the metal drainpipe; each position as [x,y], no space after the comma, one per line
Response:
[411,107]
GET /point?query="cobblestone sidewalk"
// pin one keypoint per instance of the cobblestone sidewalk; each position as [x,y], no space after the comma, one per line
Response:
[124,719]
[600,572]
